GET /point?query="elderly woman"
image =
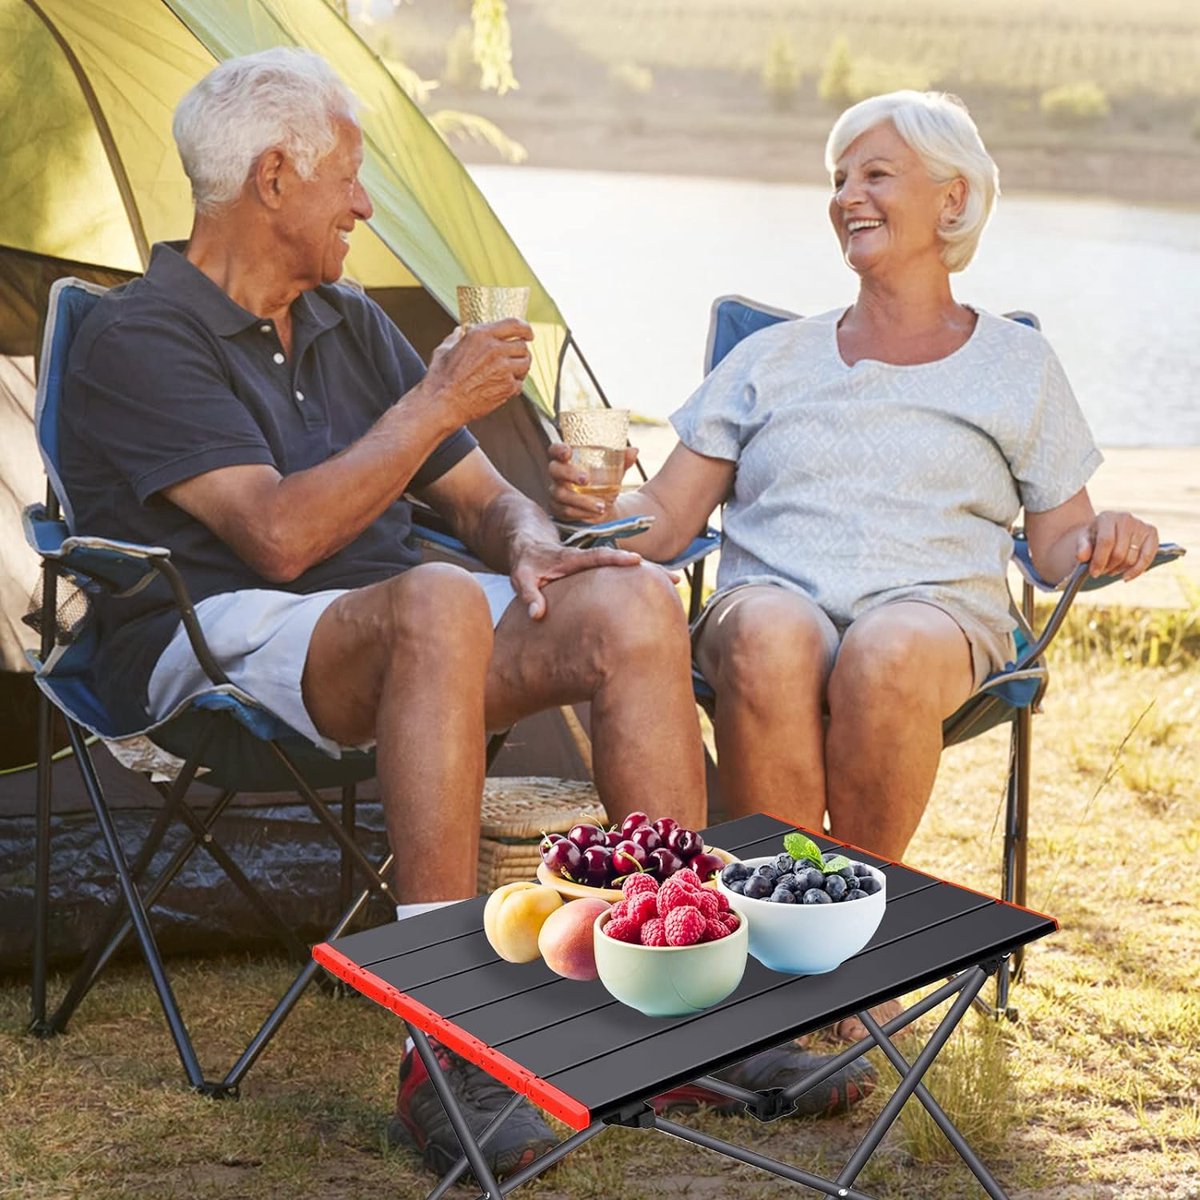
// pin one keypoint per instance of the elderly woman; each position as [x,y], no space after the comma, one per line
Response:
[872,461]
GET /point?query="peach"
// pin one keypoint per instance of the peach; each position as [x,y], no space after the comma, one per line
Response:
[513,916]
[566,941]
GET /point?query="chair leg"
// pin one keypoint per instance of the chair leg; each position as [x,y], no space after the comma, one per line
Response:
[137,911]
[41,870]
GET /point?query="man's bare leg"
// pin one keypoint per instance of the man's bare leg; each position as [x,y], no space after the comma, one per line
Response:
[405,662]
[902,669]
[615,636]
[763,651]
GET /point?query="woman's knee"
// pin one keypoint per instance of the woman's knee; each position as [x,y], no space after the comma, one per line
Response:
[762,645]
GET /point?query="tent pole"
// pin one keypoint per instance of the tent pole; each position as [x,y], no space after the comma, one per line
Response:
[107,140]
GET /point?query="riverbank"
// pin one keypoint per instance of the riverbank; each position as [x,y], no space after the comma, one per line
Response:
[1160,484]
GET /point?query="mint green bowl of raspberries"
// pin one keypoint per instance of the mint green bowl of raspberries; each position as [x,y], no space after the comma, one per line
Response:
[670,950]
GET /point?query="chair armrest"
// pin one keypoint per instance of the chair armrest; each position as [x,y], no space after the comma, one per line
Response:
[123,568]
[1023,560]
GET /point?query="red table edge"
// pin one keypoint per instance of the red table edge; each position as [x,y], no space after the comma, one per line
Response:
[917,870]
[555,1101]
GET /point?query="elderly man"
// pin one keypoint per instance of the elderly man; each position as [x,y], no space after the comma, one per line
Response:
[264,422]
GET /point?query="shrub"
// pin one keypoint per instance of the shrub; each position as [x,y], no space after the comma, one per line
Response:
[781,72]
[873,77]
[1074,103]
[834,85]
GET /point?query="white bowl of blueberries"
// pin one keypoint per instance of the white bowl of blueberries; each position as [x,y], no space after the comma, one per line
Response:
[806,912]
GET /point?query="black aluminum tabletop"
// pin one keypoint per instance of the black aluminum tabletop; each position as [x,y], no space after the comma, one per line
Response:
[583,1056]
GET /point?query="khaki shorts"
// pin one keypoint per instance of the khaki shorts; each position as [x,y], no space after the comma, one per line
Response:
[988,654]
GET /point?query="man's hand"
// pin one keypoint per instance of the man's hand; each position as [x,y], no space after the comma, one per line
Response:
[476,370]
[537,563]
[1117,543]
[568,504]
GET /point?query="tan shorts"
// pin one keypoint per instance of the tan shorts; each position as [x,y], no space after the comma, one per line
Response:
[988,653]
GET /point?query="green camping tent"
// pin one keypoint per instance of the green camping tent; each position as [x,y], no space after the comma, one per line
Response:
[89,179]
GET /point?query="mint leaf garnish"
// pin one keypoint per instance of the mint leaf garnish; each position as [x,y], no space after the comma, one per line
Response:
[836,863]
[801,848]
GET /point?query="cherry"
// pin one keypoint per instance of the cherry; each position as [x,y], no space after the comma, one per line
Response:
[664,825]
[663,862]
[596,868]
[563,858]
[613,838]
[685,842]
[632,822]
[705,865]
[628,858]
[584,835]
[548,840]
[647,837]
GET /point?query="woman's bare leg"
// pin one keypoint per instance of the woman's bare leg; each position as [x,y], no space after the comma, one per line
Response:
[902,669]
[766,652]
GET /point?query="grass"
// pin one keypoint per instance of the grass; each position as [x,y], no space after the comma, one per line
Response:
[1092,1094]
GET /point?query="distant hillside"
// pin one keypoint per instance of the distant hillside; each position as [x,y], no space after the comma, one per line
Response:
[1100,97]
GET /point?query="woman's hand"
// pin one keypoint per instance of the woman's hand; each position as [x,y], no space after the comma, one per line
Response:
[1117,543]
[566,501]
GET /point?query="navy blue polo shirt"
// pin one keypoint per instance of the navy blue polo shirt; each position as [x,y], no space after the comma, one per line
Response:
[168,378]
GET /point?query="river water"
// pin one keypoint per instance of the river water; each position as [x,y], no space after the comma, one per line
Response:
[634,262]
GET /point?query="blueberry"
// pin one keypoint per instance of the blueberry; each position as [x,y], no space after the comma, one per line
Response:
[861,870]
[815,896]
[836,886]
[809,877]
[847,873]
[869,884]
[855,894]
[737,870]
[783,896]
[757,887]
[784,863]
[786,881]
[766,870]
[738,885]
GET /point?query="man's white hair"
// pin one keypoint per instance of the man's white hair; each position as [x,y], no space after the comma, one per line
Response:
[283,98]
[939,129]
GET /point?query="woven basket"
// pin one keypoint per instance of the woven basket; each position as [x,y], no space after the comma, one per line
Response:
[515,814]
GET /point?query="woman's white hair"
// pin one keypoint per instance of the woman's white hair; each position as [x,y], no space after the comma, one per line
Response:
[282,98]
[939,129]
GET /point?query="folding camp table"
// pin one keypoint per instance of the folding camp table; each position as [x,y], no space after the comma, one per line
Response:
[592,1062]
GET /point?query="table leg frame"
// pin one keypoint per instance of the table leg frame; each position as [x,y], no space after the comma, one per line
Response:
[767,1106]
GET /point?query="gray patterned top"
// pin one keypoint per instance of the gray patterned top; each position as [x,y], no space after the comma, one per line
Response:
[864,484]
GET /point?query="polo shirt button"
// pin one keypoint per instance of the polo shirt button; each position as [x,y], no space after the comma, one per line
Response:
[278,357]
[299,395]
[265,328]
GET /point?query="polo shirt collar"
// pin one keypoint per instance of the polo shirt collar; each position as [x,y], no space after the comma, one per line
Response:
[188,286]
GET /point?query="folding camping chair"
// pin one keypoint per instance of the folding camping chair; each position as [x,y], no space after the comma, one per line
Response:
[1009,696]
[224,739]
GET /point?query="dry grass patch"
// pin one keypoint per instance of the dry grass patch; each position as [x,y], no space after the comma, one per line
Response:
[1092,1095]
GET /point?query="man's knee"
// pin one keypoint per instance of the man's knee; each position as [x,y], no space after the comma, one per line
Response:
[433,606]
[630,614]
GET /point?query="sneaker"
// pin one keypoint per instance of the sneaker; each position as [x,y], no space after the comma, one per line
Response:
[420,1122]
[779,1068]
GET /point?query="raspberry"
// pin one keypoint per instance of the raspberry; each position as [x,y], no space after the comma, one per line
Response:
[722,903]
[730,920]
[715,929]
[673,893]
[654,932]
[622,929]
[638,884]
[640,909]
[706,901]
[620,909]
[688,878]
[685,925]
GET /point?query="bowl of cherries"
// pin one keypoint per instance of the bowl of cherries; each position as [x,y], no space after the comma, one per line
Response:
[589,860]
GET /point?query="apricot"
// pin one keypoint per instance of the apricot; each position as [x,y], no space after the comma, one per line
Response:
[565,940]
[513,917]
